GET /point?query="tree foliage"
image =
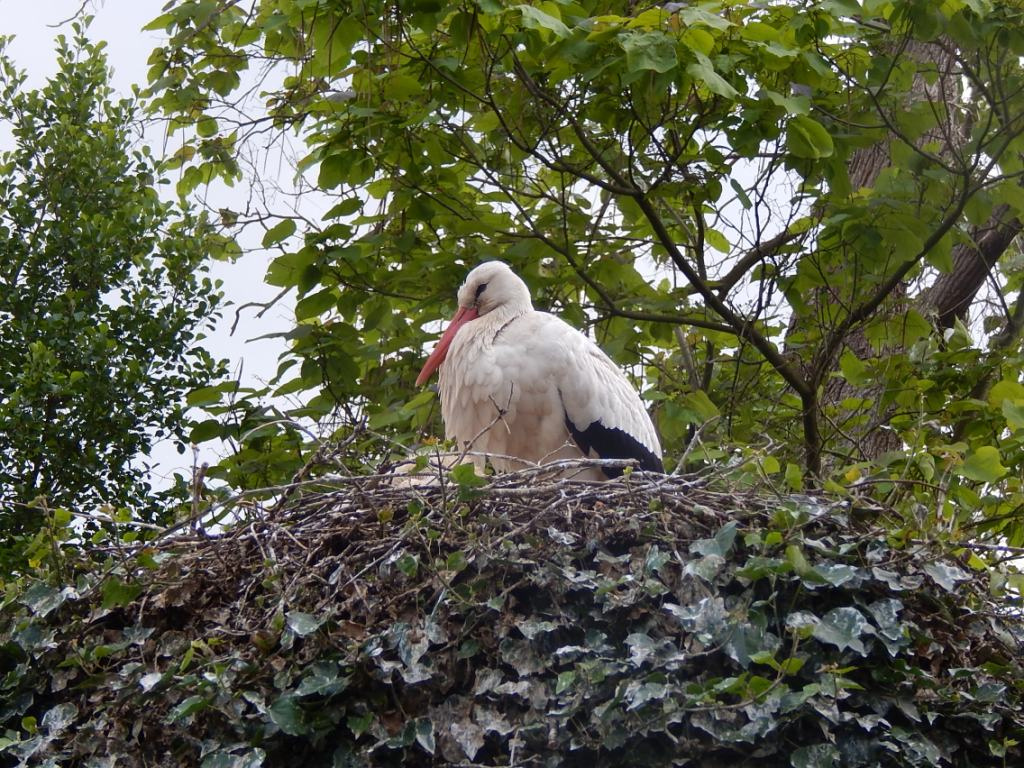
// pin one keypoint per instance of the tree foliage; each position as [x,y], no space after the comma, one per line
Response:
[794,220]
[103,297]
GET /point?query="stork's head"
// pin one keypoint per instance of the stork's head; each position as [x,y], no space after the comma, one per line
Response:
[491,287]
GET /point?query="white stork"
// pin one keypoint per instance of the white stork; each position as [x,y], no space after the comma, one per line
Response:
[524,387]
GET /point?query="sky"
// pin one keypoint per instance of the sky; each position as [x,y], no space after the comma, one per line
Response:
[34,25]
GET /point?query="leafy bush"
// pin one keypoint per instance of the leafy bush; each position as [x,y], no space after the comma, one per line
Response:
[648,622]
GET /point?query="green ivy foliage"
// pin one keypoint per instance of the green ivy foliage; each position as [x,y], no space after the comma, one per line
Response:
[654,623]
[104,298]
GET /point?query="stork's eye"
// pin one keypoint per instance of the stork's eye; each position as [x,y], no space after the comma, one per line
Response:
[480,289]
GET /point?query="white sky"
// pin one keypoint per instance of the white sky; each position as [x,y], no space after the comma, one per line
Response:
[119,22]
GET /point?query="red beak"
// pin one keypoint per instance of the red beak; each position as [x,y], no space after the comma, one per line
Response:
[463,316]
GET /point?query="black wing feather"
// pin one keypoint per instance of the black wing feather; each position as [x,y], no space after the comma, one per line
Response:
[613,443]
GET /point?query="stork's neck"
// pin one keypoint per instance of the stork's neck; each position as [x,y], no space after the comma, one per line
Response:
[502,314]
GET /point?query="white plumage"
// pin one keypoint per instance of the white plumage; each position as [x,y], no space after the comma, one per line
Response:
[523,387]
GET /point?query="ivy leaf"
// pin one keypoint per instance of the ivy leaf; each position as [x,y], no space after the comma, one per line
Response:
[890,629]
[721,544]
[641,648]
[187,708]
[425,734]
[843,628]
[288,715]
[303,624]
[408,564]
[944,574]
[41,599]
[117,593]
[469,736]
[252,758]
[59,718]
[322,679]
[837,574]
[815,756]
[456,561]
[468,481]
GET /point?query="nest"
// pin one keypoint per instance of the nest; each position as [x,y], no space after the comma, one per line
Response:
[653,620]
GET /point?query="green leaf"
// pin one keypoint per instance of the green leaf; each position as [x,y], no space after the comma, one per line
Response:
[535,18]
[1008,396]
[741,194]
[698,40]
[699,408]
[334,170]
[717,240]
[206,396]
[401,87]
[187,708]
[1014,413]
[843,628]
[703,70]
[206,127]
[408,564]
[1006,389]
[456,561]
[945,574]
[566,681]
[303,624]
[722,543]
[345,208]
[801,567]
[794,476]
[425,734]
[287,714]
[983,465]
[806,137]
[465,476]
[316,304]
[205,430]
[649,51]
[117,593]
[160,23]
[815,756]
[280,231]
[359,724]
[854,370]
[321,679]
[42,599]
